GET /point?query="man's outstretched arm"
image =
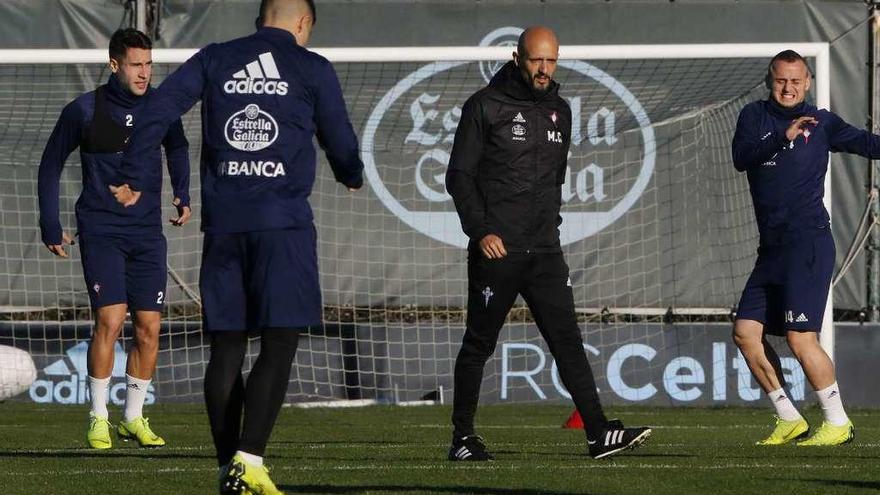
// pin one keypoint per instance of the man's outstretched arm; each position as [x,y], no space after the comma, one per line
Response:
[180,91]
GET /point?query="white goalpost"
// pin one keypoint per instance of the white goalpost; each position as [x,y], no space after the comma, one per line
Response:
[650,164]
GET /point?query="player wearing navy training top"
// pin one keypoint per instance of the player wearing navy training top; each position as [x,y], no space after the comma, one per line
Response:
[264,97]
[782,143]
[123,250]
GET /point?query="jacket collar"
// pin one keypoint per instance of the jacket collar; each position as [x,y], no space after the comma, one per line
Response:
[509,81]
[787,113]
[119,94]
[276,33]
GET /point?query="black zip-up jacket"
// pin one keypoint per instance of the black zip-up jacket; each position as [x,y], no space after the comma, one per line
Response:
[508,163]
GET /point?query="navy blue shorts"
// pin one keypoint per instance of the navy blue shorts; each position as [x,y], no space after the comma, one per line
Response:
[125,270]
[789,286]
[257,280]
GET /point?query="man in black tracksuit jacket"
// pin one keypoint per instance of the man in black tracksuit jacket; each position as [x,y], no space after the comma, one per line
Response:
[507,165]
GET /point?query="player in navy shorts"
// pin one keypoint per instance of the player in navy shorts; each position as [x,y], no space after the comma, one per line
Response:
[122,250]
[789,285]
[259,272]
[783,144]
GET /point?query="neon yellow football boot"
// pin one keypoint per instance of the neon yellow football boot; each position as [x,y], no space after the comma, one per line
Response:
[786,431]
[98,435]
[242,477]
[828,435]
[139,429]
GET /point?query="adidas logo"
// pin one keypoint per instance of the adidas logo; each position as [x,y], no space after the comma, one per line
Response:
[462,453]
[802,318]
[519,118]
[259,77]
[67,379]
[613,437]
[78,356]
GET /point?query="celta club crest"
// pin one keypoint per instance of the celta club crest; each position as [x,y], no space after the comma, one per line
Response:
[413,153]
[487,294]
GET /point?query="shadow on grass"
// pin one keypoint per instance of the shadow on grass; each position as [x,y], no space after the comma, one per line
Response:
[86,454]
[872,485]
[482,490]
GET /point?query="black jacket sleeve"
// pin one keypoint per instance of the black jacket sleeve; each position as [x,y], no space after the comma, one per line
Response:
[461,176]
[563,165]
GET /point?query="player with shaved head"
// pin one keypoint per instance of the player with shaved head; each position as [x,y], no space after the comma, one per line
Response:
[505,173]
[264,97]
[782,143]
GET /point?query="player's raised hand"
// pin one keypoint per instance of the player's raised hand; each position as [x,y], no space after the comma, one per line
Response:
[798,126]
[183,214]
[492,247]
[125,195]
[58,249]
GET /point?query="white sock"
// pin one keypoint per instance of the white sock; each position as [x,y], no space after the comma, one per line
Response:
[98,390]
[832,406]
[252,459]
[135,394]
[784,407]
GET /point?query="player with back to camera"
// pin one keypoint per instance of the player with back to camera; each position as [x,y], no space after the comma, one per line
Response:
[505,175]
[264,97]
[782,143]
[123,250]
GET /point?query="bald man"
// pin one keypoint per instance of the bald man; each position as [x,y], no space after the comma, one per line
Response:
[264,97]
[507,166]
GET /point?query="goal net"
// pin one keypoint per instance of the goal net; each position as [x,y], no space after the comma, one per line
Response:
[657,228]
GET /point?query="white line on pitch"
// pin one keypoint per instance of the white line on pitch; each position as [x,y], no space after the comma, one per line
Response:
[446,466]
[550,427]
[658,427]
[138,452]
[75,472]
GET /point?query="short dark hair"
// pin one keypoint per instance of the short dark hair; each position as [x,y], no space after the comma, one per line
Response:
[262,16]
[789,56]
[123,39]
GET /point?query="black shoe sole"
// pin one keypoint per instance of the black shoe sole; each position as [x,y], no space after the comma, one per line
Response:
[637,441]
[469,459]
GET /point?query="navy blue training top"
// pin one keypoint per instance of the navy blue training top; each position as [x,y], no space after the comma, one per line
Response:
[786,178]
[101,137]
[263,100]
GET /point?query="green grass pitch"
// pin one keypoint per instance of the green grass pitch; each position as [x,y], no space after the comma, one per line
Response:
[397,450]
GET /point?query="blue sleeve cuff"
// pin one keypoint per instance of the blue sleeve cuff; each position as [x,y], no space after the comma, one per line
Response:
[51,235]
[183,197]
